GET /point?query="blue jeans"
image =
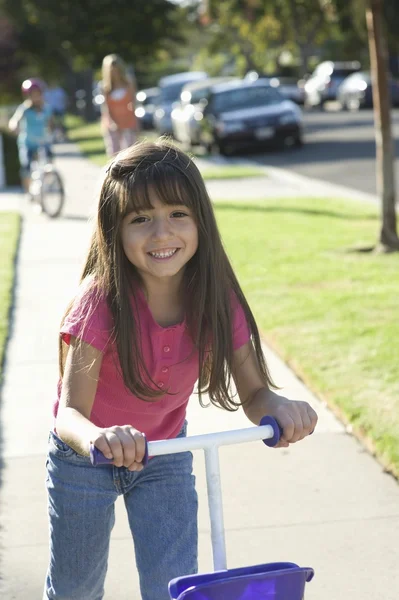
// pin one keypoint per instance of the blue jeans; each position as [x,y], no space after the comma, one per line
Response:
[26,156]
[161,503]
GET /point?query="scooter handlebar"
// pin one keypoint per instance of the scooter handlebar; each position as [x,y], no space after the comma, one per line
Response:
[269,431]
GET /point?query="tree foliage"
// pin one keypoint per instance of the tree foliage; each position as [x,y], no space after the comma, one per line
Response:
[79,34]
[246,37]
[261,25]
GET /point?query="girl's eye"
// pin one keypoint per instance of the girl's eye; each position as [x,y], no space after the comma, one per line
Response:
[138,220]
[178,214]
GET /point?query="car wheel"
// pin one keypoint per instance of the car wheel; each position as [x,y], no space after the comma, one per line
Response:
[298,142]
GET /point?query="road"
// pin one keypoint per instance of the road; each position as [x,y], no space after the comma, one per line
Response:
[339,148]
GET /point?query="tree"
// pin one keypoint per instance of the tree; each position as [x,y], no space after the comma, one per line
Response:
[301,24]
[307,23]
[9,63]
[79,34]
[245,33]
[388,239]
[377,22]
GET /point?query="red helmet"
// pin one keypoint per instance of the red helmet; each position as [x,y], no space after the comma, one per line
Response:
[32,84]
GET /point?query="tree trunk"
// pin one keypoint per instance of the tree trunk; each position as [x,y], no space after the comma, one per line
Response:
[382,116]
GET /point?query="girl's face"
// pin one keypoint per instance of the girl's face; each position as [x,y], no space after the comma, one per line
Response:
[160,241]
[36,97]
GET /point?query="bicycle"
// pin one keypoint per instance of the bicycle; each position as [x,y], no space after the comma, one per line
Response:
[274,581]
[46,188]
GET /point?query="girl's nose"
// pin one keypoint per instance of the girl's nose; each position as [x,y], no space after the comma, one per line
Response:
[162,229]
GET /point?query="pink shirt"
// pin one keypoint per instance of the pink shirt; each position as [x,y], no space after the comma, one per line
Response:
[169,355]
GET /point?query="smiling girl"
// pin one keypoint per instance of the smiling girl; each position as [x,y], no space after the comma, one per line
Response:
[159,310]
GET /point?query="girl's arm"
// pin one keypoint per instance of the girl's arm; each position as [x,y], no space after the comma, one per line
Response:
[82,370]
[79,386]
[107,114]
[15,120]
[297,419]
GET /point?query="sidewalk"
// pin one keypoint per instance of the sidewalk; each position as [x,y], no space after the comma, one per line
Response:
[324,503]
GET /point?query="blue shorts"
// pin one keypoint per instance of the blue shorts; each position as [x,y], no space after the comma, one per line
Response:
[161,503]
[27,155]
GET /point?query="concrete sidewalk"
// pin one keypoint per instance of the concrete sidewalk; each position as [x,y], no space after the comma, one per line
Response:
[324,503]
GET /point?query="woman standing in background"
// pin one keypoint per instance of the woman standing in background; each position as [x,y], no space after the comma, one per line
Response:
[118,121]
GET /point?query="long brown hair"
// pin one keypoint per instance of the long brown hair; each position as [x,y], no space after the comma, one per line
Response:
[209,279]
[109,61]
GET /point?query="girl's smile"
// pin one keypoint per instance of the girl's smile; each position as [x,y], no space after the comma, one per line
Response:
[163,254]
[161,240]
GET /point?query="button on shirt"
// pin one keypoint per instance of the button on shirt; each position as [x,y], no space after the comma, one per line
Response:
[168,353]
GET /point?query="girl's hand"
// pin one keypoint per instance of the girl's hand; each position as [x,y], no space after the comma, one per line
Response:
[125,445]
[297,420]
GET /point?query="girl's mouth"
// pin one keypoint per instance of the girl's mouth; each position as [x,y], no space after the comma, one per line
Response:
[163,254]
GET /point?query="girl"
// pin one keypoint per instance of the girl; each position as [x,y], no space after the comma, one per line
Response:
[32,122]
[159,309]
[119,123]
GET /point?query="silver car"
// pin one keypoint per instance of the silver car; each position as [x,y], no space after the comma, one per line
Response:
[170,88]
[323,84]
[186,116]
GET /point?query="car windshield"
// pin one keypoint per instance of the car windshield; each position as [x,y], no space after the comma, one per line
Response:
[171,93]
[343,72]
[198,95]
[245,98]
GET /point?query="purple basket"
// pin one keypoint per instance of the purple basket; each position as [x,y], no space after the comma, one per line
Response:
[272,581]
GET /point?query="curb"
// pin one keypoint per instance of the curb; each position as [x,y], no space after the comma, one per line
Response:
[302,182]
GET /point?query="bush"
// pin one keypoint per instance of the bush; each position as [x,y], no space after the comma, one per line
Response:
[11,160]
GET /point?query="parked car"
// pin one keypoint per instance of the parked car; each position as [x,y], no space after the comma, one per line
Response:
[147,101]
[289,87]
[322,86]
[243,113]
[188,113]
[170,89]
[355,92]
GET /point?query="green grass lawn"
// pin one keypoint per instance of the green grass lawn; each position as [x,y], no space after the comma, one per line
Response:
[90,141]
[88,137]
[331,312]
[9,233]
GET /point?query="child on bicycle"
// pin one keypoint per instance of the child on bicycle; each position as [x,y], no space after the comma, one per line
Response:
[32,121]
[159,309]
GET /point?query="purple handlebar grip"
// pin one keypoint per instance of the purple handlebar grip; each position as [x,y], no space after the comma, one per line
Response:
[97,458]
[277,431]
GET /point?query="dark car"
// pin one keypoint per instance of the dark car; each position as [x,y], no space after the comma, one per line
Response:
[241,114]
[356,92]
[322,86]
[290,87]
[147,101]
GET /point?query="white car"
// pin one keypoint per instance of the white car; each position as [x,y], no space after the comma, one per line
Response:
[324,83]
[187,115]
[170,89]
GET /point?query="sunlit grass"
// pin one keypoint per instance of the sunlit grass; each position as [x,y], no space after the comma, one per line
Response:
[331,313]
[9,233]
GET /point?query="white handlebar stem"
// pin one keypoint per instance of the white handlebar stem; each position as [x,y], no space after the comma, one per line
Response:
[210,443]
